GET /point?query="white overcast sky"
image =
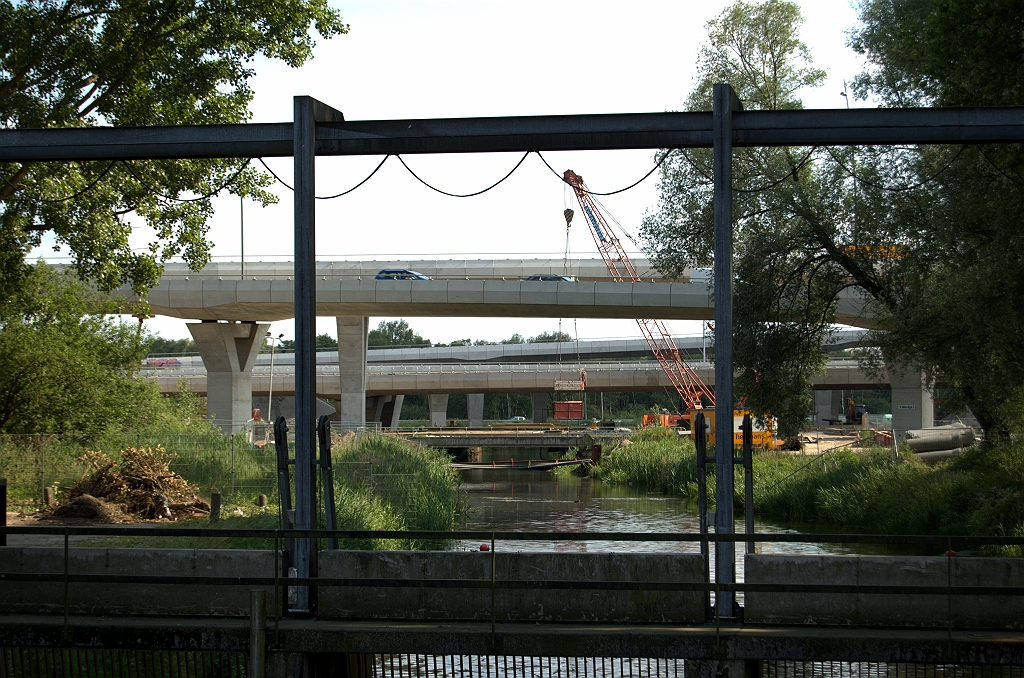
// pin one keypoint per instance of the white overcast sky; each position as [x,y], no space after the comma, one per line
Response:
[455,59]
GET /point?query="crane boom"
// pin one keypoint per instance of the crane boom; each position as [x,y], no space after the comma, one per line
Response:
[687,382]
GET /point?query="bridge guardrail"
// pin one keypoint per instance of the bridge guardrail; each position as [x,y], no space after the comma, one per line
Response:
[281,583]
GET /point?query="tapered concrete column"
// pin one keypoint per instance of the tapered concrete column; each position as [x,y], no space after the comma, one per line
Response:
[540,407]
[352,332]
[438,409]
[912,405]
[475,409]
[827,405]
[228,351]
[391,412]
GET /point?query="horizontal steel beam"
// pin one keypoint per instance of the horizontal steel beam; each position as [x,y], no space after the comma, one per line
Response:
[527,133]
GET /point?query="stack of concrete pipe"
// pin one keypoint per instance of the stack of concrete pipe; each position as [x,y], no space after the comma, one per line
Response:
[932,445]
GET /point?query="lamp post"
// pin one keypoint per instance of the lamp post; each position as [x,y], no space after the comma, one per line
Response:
[270,398]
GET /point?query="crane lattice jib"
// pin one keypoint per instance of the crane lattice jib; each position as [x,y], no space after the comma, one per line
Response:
[684,379]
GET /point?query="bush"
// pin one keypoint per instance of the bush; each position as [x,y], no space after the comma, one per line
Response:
[653,457]
[979,492]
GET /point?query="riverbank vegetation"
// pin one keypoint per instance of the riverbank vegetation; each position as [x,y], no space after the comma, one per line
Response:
[381,483]
[980,491]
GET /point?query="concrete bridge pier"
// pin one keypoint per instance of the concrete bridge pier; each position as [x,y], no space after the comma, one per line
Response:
[540,407]
[385,410]
[827,405]
[912,404]
[352,331]
[438,408]
[475,409]
[228,351]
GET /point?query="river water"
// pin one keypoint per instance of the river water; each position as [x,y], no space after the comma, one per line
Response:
[539,501]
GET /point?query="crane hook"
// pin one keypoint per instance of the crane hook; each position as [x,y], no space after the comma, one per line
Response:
[568,217]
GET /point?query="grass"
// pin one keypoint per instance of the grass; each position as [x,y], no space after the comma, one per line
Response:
[381,483]
[979,492]
[210,461]
[655,458]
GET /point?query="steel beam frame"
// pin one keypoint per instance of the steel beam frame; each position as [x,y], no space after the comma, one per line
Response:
[318,129]
[834,127]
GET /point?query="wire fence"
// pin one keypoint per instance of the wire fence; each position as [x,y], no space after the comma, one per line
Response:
[226,464]
[93,663]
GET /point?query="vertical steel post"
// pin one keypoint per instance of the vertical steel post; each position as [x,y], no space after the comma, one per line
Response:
[725,102]
[305,329]
[307,112]
[748,478]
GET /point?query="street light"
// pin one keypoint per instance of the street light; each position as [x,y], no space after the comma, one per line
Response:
[270,398]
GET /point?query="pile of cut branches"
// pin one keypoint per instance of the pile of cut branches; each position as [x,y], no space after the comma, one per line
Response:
[140,484]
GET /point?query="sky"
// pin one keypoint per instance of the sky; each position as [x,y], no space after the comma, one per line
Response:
[487,58]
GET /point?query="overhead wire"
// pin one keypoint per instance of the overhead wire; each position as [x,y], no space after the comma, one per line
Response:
[773,184]
[997,167]
[896,189]
[632,185]
[325,197]
[77,194]
[463,195]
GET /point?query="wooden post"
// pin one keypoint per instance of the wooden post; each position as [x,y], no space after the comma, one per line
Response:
[215,507]
[3,510]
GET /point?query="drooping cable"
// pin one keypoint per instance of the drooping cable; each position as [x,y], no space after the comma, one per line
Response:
[463,195]
[206,196]
[632,185]
[325,197]
[997,167]
[77,194]
[775,183]
[895,189]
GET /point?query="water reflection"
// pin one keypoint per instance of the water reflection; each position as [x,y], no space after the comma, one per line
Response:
[538,501]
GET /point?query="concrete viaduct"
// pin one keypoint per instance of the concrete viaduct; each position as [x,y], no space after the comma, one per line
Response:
[230,371]
[227,299]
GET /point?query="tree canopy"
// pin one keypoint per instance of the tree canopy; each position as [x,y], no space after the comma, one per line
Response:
[779,317]
[395,333]
[929,235]
[68,367]
[71,63]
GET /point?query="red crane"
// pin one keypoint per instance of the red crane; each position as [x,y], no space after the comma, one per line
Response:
[691,388]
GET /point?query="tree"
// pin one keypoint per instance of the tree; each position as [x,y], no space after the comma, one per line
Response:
[928,235]
[71,63]
[549,337]
[957,312]
[395,333]
[321,342]
[160,346]
[69,368]
[785,285]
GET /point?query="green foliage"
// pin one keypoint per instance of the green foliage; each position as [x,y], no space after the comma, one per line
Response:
[395,333]
[160,346]
[322,341]
[75,64]
[654,458]
[418,481]
[548,337]
[979,492]
[957,305]
[941,52]
[514,339]
[66,366]
[785,285]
